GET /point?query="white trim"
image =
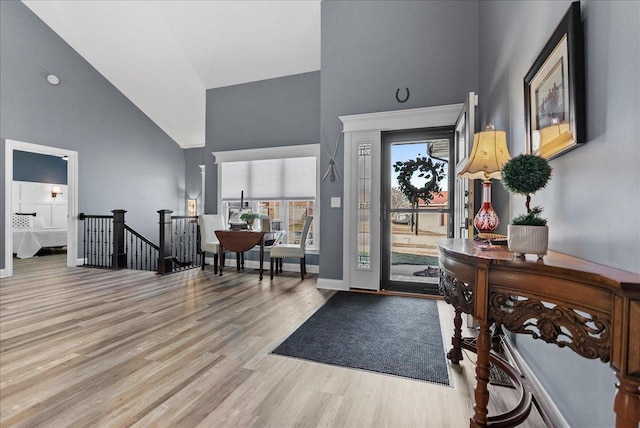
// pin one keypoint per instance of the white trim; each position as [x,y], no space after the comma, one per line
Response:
[424,117]
[538,390]
[72,199]
[280,152]
[331,284]
[203,183]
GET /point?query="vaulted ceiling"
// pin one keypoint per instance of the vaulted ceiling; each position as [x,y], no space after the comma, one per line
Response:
[163,55]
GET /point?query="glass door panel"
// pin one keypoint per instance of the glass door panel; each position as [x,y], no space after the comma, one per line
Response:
[417,208]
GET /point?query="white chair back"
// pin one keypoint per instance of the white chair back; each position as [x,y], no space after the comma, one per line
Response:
[305,231]
[209,223]
[265,223]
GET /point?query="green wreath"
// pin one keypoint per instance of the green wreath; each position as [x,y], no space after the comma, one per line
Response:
[432,171]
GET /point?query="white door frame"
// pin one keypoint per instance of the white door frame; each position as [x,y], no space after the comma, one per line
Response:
[368,127]
[72,200]
[464,208]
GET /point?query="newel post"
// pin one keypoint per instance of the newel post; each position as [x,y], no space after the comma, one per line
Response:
[165,262]
[118,257]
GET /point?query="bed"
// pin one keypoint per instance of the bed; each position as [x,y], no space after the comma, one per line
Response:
[30,235]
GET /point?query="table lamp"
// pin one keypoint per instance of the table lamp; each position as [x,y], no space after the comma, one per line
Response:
[488,155]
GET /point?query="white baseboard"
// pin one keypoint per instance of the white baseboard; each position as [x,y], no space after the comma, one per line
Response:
[331,284]
[537,389]
[2,273]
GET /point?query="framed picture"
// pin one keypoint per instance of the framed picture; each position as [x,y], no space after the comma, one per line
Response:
[554,91]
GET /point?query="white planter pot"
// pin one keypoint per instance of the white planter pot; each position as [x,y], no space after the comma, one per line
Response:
[528,240]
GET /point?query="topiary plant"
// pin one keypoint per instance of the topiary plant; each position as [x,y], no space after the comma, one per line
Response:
[525,174]
[249,217]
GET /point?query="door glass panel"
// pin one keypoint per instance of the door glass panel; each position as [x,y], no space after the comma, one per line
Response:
[364,205]
[417,218]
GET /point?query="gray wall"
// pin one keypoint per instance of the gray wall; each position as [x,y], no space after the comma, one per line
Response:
[125,160]
[39,168]
[193,158]
[369,50]
[592,200]
[269,113]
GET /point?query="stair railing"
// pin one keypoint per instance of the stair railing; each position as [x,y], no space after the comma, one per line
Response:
[110,243]
[98,240]
[184,237]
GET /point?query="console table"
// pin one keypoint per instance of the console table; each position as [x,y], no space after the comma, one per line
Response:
[240,241]
[590,308]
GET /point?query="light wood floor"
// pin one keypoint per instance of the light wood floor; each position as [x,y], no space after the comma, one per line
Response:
[97,348]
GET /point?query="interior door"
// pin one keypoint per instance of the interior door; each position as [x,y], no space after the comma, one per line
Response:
[464,192]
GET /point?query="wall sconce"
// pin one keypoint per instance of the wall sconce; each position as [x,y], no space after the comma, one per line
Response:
[488,155]
[56,191]
[192,207]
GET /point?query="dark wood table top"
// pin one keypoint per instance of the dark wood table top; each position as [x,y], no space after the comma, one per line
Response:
[553,262]
[239,240]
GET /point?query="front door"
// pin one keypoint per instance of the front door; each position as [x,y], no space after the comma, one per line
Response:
[417,210]
[464,191]
[370,250]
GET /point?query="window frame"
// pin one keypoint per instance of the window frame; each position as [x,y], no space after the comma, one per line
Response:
[278,152]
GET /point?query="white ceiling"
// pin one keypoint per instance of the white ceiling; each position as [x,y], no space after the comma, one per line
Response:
[163,55]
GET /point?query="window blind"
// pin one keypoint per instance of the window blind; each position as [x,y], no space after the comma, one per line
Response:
[269,179]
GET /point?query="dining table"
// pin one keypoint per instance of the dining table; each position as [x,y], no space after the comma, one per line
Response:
[240,241]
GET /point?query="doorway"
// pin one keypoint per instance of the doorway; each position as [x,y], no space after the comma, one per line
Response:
[364,213]
[72,199]
[417,190]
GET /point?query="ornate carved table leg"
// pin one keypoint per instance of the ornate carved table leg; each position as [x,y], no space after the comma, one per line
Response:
[482,377]
[627,402]
[455,354]
[459,295]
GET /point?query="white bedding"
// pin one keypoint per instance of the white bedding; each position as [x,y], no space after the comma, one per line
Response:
[27,241]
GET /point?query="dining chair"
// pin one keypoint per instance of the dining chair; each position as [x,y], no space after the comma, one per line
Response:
[282,251]
[209,242]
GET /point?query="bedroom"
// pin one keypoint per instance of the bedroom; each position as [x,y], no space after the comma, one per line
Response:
[39,205]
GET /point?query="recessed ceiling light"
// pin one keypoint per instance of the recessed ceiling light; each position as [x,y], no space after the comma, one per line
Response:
[53,79]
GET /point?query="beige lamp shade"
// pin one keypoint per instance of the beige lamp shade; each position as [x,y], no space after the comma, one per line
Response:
[488,155]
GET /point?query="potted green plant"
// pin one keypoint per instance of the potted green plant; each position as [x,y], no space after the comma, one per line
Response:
[249,218]
[528,233]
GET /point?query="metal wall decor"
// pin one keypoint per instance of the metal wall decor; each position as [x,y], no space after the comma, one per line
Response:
[332,170]
[405,98]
